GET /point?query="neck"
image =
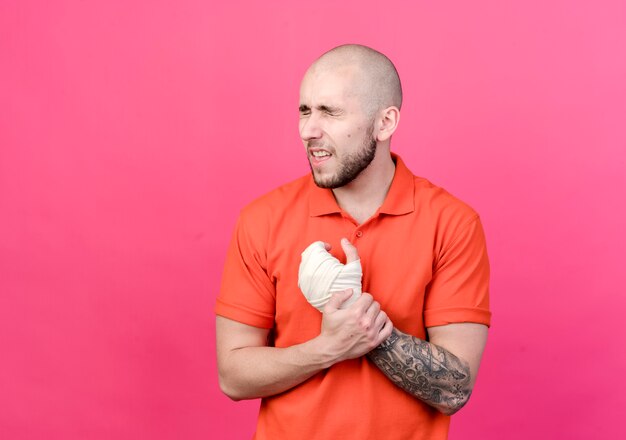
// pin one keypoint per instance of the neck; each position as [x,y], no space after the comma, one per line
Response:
[362,197]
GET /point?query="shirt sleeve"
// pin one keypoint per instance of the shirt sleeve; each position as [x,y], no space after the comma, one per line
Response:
[459,289]
[247,293]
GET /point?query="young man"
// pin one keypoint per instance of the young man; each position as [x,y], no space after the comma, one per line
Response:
[395,363]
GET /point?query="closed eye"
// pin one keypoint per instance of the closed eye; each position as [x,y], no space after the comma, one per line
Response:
[333,111]
[305,110]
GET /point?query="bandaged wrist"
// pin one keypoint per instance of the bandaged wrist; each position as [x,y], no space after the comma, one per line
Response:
[320,275]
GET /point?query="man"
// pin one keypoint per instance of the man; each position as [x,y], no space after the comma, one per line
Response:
[403,357]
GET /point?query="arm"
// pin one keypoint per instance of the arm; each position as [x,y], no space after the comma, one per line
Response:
[441,372]
[249,369]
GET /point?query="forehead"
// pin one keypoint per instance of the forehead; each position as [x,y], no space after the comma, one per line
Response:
[329,86]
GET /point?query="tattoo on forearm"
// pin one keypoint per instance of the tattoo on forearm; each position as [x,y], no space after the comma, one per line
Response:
[424,370]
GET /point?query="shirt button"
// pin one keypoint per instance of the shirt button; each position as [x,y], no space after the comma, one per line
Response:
[359,234]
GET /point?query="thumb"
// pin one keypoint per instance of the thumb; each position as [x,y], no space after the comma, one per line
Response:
[351,253]
[336,300]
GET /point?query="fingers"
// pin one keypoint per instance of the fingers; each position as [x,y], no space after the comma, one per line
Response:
[336,300]
[327,246]
[377,324]
[373,311]
[351,253]
[363,303]
[356,330]
[385,332]
[373,317]
[380,320]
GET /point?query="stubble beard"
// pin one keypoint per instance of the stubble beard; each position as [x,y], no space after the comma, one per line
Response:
[351,165]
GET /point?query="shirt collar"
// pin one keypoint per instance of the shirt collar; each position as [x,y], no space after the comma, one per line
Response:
[399,200]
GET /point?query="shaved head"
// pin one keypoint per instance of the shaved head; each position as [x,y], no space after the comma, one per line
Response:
[350,99]
[376,81]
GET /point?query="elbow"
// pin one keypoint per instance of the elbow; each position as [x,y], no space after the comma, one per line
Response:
[231,394]
[233,383]
[234,390]
[229,390]
[449,410]
[454,405]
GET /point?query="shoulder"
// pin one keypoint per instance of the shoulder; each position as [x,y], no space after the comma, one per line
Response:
[432,203]
[288,197]
[261,219]
[438,201]
[449,216]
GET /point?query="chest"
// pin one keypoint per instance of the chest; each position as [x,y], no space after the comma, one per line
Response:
[397,259]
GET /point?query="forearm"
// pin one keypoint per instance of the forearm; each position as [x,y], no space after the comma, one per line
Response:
[249,369]
[424,370]
[253,372]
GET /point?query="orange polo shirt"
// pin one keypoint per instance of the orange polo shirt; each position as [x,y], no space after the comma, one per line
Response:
[424,260]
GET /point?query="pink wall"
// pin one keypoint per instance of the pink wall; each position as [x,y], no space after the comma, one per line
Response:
[132,132]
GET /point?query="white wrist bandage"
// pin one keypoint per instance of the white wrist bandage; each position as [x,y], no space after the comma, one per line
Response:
[321,274]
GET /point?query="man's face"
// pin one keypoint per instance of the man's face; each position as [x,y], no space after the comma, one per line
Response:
[335,130]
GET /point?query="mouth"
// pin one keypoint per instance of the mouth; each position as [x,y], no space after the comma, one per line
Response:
[317,156]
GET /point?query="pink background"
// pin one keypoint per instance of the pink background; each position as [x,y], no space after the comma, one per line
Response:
[132,132]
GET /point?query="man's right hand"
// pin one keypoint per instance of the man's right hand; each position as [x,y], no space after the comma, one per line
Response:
[355,331]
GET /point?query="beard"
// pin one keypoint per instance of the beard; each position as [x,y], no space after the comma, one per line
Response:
[350,166]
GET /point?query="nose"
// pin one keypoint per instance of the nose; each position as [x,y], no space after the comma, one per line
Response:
[310,127]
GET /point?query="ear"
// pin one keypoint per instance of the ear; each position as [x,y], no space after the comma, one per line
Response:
[387,124]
